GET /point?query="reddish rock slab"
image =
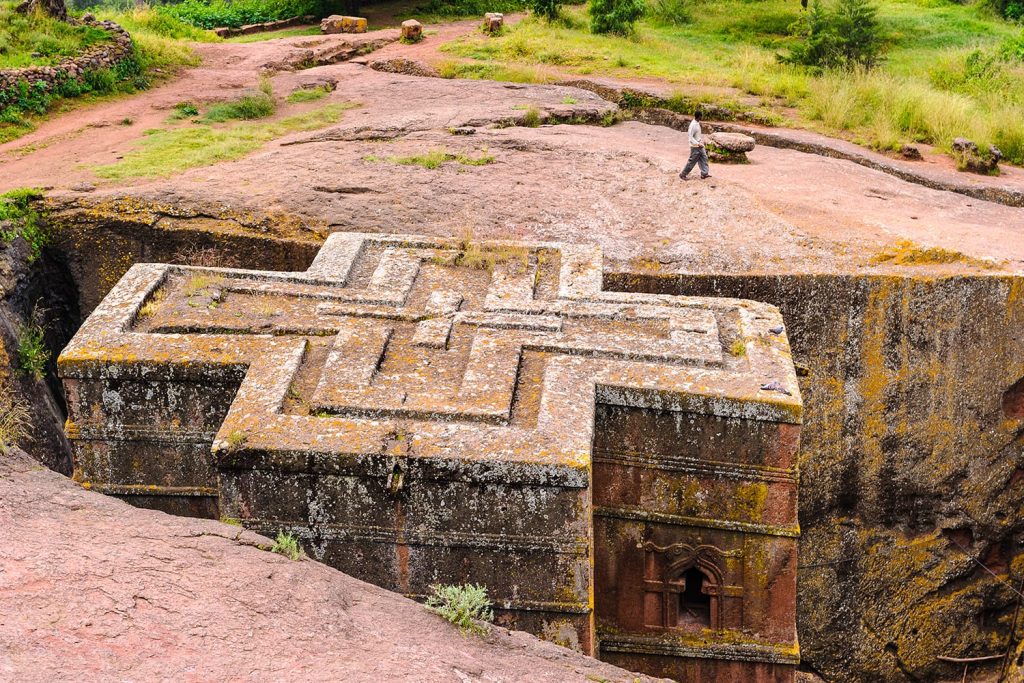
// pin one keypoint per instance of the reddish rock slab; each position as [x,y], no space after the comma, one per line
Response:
[94,589]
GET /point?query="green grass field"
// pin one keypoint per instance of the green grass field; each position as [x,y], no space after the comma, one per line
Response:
[943,73]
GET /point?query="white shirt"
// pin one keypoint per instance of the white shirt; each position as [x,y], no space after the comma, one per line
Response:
[696,140]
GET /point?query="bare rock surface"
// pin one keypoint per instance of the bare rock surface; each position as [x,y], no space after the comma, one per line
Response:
[94,589]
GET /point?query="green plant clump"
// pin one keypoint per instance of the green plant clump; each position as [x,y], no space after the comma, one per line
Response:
[465,606]
[309,94]
[615,16]
[19,217]
[436,158]
[234,13]
[547,9]
[245,108]
[287,545]
[32,352]
[844,36]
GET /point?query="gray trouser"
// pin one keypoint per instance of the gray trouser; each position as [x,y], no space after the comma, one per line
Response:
[698,157]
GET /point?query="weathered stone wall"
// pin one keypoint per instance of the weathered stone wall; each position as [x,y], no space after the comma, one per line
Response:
[911,472]
[106,55]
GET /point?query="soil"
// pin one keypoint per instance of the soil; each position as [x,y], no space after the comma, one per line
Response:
[95,589]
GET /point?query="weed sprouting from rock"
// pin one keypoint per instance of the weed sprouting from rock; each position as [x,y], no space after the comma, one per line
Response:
[15,422]
[32,352]
[287,545]
[467,606]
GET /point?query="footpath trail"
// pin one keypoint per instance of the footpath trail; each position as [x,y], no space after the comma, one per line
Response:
[788,210]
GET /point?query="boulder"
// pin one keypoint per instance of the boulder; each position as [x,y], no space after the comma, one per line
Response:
[493,22]
[412,31]
[339,24]
[729,147]
[732,142]
[969,158]
[910,153]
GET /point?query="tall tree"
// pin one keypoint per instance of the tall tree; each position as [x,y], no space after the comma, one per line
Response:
[54,8]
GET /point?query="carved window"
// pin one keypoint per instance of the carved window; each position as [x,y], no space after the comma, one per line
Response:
[682,587]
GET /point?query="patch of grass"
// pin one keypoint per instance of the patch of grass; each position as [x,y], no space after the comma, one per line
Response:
[436,158]
[909,253]
[473,254]
[531,119]
[15,418]
[20,217]
[309,94]
[166,152]
[466,606]
[569,100]
[927,88]
[256,105]
[184,110]
[32,352]
[236,439]
[273,35]
[148,309]
[287,545]
[199,283]
[435,11]
[738,348]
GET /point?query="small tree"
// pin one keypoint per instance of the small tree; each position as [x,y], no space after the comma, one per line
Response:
[615,16]
[548,9]
[845,36]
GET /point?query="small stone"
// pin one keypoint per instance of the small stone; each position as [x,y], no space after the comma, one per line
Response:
[83,187]
[412,31]
[463,130]
[493,22]
[340,24]
[910,153]
[969,158]
[88,17]
[776,330]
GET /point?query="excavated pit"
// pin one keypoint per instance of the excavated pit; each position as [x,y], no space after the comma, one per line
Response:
[910,457]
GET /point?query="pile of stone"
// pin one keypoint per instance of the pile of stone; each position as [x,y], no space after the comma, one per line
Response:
[341,24]
[729,148]
[493,22]
[402,65]
[105,55]
[969,157]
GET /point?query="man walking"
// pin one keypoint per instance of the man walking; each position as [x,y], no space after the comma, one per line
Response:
[698,154]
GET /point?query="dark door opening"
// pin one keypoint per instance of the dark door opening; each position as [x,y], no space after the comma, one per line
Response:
[694,603]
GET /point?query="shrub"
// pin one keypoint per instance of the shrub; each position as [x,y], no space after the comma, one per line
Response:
[467,8]
[246,108]
[670,12]
[548,9]
[18,211]
[615,16]
[844,36]
[465,606]
[32,352]
[287,545]
[234,13]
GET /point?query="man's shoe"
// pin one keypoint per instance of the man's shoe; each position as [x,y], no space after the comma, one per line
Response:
[683,177]
[705,177]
